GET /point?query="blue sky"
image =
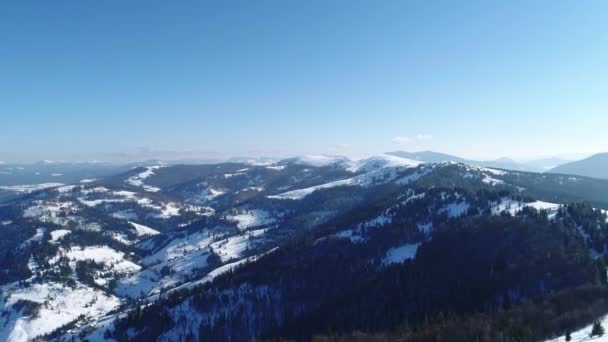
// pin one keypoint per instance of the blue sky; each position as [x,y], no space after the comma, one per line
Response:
[133,79]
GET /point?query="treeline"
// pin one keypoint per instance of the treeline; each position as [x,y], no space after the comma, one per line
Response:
[552,316]
[480,265]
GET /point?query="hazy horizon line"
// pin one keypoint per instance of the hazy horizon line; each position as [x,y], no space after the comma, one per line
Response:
[131,157]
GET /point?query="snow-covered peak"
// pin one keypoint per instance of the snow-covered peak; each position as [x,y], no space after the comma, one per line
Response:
[260,161]
[319,161]
[138,179]
[29,188]
[382,161]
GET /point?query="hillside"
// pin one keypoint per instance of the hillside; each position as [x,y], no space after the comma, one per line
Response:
[235,251]
[533,165]
[595,166]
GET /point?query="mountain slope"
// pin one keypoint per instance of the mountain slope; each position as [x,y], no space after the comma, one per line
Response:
[534,165]
[236,251]
[430,157]
[595,166]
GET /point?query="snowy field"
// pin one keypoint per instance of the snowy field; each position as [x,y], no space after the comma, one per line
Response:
[399,254]
[583,334]
[56,305]
[112,259]
[252,218]
[377,170]
[138,179]
[29,188]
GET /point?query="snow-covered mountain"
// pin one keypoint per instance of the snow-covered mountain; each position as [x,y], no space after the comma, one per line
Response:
[532,165]
[203,252]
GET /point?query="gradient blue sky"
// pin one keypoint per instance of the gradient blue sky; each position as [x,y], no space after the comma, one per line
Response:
[133,79]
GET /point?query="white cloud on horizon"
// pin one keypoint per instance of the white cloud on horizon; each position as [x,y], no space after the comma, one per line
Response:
[401,140]
[423,137]
[417,138]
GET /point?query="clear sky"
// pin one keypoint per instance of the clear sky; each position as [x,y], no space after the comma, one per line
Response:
[129,79]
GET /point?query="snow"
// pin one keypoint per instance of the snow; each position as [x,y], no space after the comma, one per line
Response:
[252,218]
[67,188]
[397,255]
[494,172]
[455,209]
[121,237]
[179,247]
[168,210]
[492,181]
[230,175]
[356,234]
[377,221]
[94,203]
[88,180]
[413,177]
[36,238]
[113,259]
[513,207]
[540,205]
[212,193]
[383,174]
[509,205]
[301,193]
[319,161]
[125,215]
[120,197]
[60,305]
[414,197]
[276,167]
[29,188]
[425,227]
[165,210]
[126,194]
[221,270]
[142,230]
[138,179]
[183,255]
[58,234]
[6,223]
[382,161]
[583,334]
[57,174]
[54,212]
[208,194]
[95,190]
[225,268]
[253,188]
[235,246]
[352,234]
[150,281]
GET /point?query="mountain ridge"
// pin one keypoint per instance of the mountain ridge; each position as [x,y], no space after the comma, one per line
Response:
[595,166]
[534,165]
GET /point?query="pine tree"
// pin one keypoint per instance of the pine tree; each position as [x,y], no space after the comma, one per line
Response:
[568,337]
[597,329]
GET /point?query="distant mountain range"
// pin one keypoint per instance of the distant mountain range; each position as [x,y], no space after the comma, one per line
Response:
[595,166]
[536,165]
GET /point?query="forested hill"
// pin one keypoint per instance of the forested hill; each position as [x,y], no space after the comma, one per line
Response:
[304,247]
